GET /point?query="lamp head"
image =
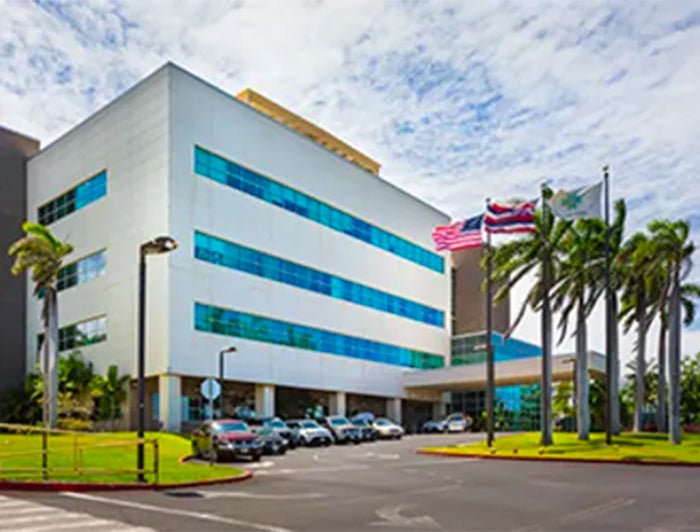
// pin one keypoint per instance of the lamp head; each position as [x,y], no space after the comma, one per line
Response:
[229,350]
[159,245]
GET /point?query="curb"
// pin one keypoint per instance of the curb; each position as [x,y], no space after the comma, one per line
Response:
[18,485]
[561,460]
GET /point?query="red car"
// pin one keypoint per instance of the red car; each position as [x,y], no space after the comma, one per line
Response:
[226,438]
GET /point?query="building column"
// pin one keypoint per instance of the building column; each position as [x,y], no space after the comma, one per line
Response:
[440,407]
[337,404]
[264,400]
[170,402]
[393,409]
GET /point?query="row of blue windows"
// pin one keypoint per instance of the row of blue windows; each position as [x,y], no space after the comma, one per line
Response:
[83,270]
[241,325]
[75,199]
[472,349]
[217,168]
[217,251]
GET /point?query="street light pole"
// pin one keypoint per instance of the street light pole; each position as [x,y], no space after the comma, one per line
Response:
[157,246]
[221,373]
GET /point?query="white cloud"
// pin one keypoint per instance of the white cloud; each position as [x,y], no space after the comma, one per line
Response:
[458,100]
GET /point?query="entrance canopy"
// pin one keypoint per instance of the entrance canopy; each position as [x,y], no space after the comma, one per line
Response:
[511,372]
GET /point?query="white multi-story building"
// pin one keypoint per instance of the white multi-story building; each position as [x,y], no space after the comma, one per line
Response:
[291,248]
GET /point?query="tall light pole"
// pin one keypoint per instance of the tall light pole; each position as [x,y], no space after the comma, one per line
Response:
[157,246]
[221,374]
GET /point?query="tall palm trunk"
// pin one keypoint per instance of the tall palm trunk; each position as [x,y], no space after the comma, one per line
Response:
[583,418]
[615,347]
[641,361]
[661,421]
[51,360]
[674,358]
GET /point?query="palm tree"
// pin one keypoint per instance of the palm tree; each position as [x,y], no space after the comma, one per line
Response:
[576,289]
[110,390]
[640,274]
[42,253]
[689,293]
[673,254]
[597,273]
[515,260]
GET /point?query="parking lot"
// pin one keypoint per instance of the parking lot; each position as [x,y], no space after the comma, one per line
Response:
[386,485]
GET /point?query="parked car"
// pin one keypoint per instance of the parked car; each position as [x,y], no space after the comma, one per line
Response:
[310,432]
[367,431]
[453,423]
[226,438]
[342,430]
[387,429]
[273,442]
[281,428]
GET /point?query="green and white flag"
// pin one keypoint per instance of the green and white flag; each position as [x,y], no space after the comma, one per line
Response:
[584,202]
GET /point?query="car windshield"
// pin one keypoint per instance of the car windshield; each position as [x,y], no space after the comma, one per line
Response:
[339,421]
[276,424]
[310,425]
[360,422]
[383,422]
[231,426]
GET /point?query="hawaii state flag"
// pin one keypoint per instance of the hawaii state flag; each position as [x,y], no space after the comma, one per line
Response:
[510,218]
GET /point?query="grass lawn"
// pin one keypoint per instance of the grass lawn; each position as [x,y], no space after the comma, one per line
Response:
[106,457]
[626,447]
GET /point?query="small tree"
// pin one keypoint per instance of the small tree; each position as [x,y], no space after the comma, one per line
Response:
[110,391]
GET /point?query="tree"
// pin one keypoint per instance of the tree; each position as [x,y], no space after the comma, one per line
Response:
[638,255]
[690,390]
[575,289]
[110,391]
[617,274]
[563,397]
[673,253]
[40,252]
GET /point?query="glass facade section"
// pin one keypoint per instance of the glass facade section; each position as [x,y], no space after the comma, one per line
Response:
[82,271]
[252,327]
[223,171]
[76,198]
[81,334]
[217,251]
[471,349]
[516,407]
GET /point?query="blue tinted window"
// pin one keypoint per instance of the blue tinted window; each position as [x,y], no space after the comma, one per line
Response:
[73,200]
[82,271]
[80,334]
[226,172]
[217,251]
[241,325]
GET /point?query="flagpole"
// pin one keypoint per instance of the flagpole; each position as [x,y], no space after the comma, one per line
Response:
[490,369]
[608,318]
[546,384]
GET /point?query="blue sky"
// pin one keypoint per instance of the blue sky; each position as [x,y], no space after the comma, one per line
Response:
[458,100]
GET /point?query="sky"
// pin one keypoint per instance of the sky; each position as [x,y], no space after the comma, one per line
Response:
[459,100]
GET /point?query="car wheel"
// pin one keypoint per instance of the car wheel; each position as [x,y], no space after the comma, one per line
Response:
[282,451]
[195,450]
[327,442]
[255,458]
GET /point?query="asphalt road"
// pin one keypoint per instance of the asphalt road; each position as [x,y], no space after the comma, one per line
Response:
[386,486]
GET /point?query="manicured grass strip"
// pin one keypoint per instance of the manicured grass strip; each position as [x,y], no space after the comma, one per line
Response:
[106,457]
[625,448]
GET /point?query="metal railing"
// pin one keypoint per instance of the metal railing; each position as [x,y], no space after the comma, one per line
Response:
[36,453]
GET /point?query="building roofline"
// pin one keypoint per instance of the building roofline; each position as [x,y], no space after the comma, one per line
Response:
[171,65]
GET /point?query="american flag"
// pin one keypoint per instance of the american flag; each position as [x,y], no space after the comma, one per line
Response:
[459,235]
[505,218]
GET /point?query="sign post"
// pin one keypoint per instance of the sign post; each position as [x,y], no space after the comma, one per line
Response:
[210,389]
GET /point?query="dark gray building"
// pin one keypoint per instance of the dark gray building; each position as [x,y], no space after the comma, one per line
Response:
[15,149]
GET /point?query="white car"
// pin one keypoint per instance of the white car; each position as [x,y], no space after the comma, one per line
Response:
[387,429]
[456,423]
[310,432]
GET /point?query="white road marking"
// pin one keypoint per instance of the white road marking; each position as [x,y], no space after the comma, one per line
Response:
[384,456]
[266,496]
[259,465]
[391,516]
[581,515]
[174,511]
[25,516]
[329,469]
